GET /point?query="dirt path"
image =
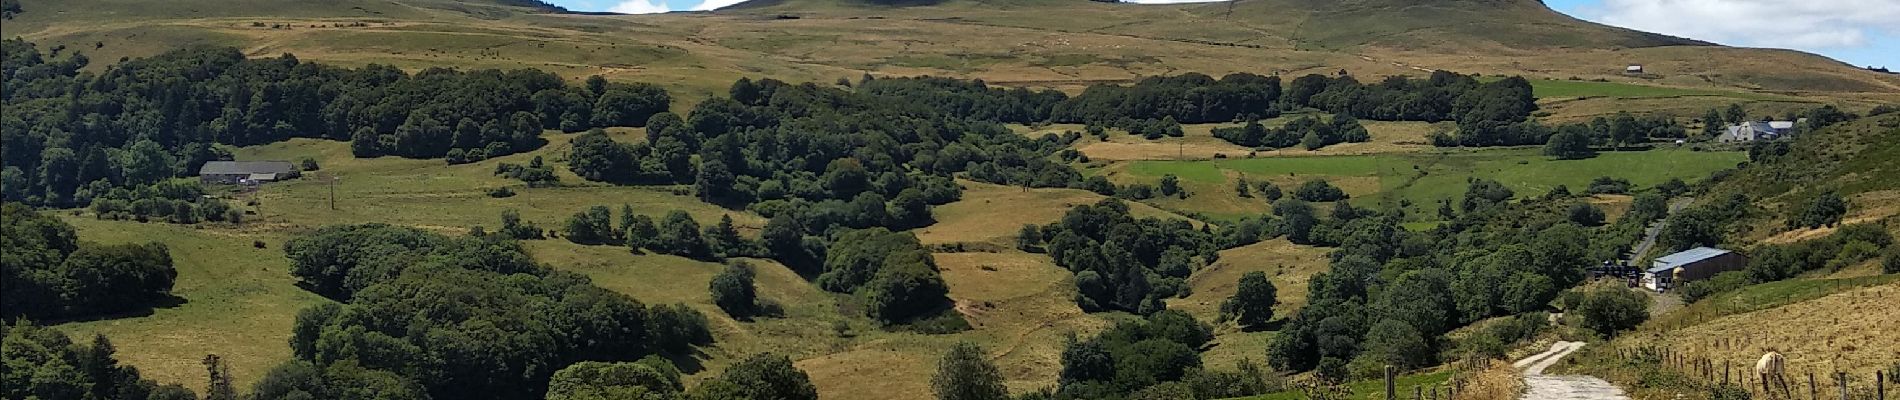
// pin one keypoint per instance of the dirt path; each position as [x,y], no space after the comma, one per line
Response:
[1562,387]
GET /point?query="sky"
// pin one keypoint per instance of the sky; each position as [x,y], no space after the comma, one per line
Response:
[1859,32]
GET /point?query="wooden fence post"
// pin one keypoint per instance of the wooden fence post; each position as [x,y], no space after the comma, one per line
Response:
[1813,393]
[1841,379]
[1725,372]
[1390,392]
[1880,385]
[1418,392]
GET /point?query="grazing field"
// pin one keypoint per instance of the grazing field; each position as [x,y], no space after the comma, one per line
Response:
[448,198]
[1421,179]
[1198,142]
[1551,88]
[236,301]
[1821,325]
[1287,265]
[994,214]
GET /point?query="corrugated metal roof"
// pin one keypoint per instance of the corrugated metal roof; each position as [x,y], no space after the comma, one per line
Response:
[246,168]
[1684,257]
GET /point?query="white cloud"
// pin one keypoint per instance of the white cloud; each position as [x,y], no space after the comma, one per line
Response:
[1807,24]
[639,7]
[709,5]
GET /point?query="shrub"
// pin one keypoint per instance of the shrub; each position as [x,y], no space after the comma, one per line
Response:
[1612,310]
[501,192]
[1318,190]
[733,291]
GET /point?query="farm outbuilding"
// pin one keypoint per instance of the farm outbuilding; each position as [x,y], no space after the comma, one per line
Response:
[246,172]
[1691,265]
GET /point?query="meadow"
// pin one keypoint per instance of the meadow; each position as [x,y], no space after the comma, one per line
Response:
[1415,180]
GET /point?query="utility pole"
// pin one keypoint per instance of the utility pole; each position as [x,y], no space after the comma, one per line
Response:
[333,179]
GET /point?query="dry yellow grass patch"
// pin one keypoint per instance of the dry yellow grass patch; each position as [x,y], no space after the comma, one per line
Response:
[1287,265]
[1863,208]
[1020,308]
[1498,382]
[1849,331]
[994,214]
[1614,206]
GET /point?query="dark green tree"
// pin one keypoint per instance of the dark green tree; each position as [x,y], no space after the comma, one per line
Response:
[966,373]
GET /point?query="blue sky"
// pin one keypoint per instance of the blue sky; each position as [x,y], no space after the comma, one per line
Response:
[1859,32]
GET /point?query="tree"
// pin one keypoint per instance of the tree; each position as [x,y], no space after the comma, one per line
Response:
[760,376]
[1393,342]
[593,226]
[1611,310]
[1029,237]
[1170,185]
[1571,142]
[1712,126]
[1252,303]
[965,373]
[724,240]
[1825,209]
[1270,191]
[1624,130]
[733,291]
[1318,190]
[594,380]
[1735,114]
[1586,215]
[679,235]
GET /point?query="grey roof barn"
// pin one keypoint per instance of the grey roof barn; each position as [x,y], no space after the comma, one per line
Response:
[240,171]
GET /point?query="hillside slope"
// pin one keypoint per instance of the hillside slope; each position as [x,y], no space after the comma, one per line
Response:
[1048,43]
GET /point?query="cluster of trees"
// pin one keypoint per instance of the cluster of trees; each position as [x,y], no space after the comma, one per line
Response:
[891,272]
[1704,225]
[179,201]
[145,120]
[1251,306]
[536,173]
[498,325]
[1825,209]
[48,273]
[676,234]
[43,363]
[1391,295]
[1307,132]
[1140,358]
[1186,98]
[1129,264]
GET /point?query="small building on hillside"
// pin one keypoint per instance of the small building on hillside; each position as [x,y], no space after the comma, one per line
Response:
[1691,265]
[1633,69]
[1757,130]
[246,172]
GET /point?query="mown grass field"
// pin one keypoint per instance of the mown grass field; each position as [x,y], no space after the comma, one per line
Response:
[1420,179]
[239,302]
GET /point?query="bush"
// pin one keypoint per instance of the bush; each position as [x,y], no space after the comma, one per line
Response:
[1892,264]
[1318,190]
[501,192]
[733,291]
[310,164]
[1612,310]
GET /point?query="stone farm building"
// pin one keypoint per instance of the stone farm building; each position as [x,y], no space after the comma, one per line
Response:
[1757,130]
[246,172]
[1691,265]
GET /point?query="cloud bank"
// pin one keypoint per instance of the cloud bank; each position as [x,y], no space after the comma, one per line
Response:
[1810,24]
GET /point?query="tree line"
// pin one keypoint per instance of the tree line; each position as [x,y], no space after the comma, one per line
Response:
[49,273]
[500,325]
[148,119]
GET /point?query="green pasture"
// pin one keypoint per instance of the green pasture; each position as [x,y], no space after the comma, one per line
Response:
[1425,178]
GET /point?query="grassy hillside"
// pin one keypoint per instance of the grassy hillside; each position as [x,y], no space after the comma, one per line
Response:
[1050,43]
